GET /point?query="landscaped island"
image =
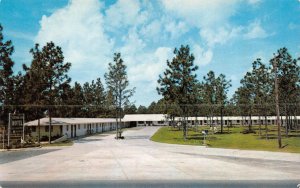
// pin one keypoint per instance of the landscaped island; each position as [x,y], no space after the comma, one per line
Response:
[231,138]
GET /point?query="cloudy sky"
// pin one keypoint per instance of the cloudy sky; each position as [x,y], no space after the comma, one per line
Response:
[225,36]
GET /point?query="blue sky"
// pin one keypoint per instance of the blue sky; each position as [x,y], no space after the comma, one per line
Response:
[225,36]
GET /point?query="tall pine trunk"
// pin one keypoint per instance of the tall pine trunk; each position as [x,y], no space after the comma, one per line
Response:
[286,120]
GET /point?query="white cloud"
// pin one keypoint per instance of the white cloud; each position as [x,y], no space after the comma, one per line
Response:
[149,65]
[142,31]
[212,18]
[219,35]
[78,29]
[144,73]
[202,57]
[133,43]
[176,29]
[152,30]
[255,30]
[124,13]
[205,13]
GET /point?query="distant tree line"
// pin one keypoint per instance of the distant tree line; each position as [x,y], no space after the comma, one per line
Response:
[44,86]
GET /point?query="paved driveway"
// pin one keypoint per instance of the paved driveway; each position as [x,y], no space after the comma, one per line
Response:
[101,157]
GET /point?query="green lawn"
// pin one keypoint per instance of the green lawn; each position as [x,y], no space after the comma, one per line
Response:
[232,139]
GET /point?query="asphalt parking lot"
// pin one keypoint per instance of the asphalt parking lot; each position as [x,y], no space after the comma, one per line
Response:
[101,158]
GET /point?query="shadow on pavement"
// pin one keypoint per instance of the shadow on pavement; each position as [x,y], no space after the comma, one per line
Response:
[11,156]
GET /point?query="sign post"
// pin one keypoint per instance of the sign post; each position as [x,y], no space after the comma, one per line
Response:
[16,129]
[205,132]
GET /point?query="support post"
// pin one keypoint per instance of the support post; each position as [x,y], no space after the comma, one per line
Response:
[23,128]
[39,125]
[50,125]
[8,130]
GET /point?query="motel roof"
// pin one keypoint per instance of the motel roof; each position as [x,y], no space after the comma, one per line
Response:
[69,121]
[139,117]
[234,118]
[144,117]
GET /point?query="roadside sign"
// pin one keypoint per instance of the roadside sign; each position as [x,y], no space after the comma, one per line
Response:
[15,131]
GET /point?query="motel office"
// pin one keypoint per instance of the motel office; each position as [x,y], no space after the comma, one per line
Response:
[73,127]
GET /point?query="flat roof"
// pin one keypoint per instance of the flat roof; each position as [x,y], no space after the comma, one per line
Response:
[69,121]
[138,117]
[144,117]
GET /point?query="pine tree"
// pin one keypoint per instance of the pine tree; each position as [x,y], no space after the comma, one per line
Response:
[142,110]
[209,95]
[48,77]
[261,79]
[288,82]
[117,83]
[246,96]
[77,100]
[222,86]
[99,97]
[177,84]
[6,76]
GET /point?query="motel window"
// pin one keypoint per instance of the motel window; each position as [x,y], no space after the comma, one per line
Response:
[160,122]
[238,121]
[140,122]
[205,121]
[269,121]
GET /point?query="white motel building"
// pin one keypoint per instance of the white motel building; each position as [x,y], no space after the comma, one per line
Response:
[74,127]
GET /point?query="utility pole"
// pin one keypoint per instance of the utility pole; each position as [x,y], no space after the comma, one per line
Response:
[277,102]
[8,130]
[50,125]
[39,126]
